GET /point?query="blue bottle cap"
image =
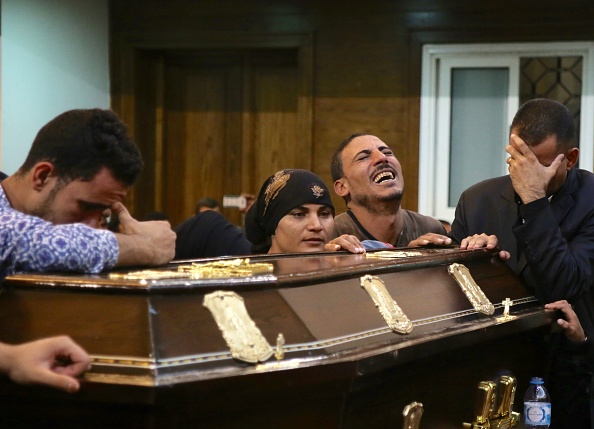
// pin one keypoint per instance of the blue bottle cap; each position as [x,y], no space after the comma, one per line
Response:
[536,380]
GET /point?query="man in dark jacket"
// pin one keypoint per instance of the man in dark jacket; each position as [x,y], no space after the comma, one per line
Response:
[543,214]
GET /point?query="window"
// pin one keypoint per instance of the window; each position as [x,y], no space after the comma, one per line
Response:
[469,96]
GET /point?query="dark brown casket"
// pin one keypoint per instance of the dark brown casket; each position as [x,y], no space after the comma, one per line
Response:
[160,359]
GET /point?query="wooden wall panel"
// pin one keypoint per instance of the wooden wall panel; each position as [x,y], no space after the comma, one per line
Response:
[276,139]
[205,154]
[361,65]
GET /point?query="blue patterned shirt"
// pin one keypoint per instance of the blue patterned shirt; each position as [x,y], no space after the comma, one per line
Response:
[31,244]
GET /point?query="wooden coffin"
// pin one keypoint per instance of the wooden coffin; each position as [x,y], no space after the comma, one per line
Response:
[161,359]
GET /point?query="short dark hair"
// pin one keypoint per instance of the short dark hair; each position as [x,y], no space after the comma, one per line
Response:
[336,169]
[207,202]
[79,143]
[540,118]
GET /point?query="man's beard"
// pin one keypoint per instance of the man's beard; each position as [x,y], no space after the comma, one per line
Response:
[376,204]
[44,210]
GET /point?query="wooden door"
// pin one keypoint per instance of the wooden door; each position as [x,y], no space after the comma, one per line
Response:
[225,121]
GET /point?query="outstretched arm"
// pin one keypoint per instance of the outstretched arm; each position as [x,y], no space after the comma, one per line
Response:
[54,361]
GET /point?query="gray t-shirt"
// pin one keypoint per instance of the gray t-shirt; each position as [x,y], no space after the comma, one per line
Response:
[413,226]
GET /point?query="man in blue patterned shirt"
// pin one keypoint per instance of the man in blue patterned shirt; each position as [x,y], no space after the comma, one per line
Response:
[80,165]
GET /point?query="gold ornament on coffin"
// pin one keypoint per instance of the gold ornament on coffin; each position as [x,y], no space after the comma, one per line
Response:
[388,308]
[243,337]
[217,269]
[223,269]
[391,254]
[473,292]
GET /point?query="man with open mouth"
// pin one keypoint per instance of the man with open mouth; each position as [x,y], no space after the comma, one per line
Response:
[367,174]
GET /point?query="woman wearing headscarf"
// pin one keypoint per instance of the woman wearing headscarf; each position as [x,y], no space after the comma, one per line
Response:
[294,213]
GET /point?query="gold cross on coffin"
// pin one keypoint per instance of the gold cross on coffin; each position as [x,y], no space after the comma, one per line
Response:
[506,317]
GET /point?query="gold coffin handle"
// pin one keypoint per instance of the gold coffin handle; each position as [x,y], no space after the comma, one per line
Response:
[484,404]
[412,414]
[494,405]
[473,292]
[506,391]
[244,339]
[388,308]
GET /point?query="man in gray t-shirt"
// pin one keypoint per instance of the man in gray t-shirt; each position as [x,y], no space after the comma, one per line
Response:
[367,174]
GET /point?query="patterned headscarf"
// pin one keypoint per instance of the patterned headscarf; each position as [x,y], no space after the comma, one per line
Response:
[280,194]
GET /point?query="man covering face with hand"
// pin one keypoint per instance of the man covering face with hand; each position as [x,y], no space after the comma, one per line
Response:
[543,214]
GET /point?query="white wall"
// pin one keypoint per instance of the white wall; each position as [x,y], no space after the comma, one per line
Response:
[54,57]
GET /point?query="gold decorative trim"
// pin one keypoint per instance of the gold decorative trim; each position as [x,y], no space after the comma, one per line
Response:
[243,337]
[224,269]
[391,254]
[473,292]
[139,362]
[217,269]
[145,275]
[388,308]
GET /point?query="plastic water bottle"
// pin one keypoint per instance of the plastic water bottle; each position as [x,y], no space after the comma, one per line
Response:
[537,405]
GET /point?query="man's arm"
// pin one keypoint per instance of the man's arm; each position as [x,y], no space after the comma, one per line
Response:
[560,264]
[30,244]
[55,362]
[143,243]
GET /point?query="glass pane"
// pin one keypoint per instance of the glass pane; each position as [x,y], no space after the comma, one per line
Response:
[557,78]
[478,127]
